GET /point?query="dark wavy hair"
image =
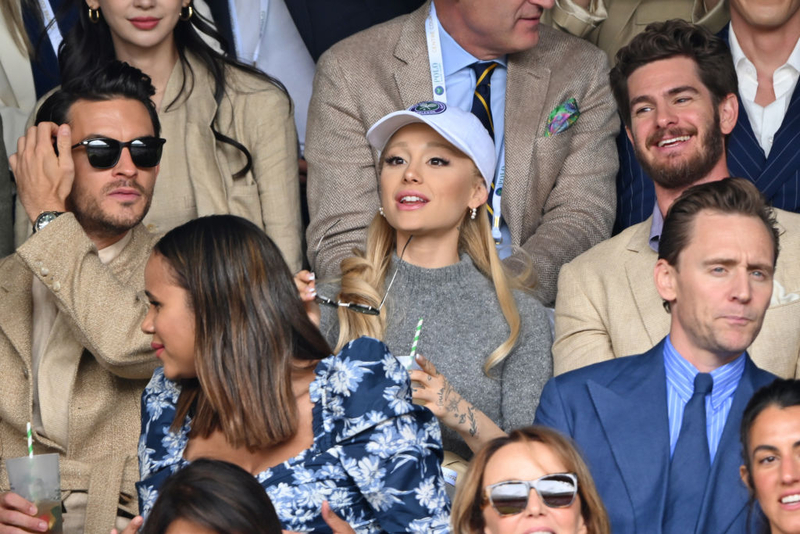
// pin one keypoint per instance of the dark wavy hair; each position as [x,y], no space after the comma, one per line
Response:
[111,80]
[251,330]
[673,38]
[90,44]
[215,495]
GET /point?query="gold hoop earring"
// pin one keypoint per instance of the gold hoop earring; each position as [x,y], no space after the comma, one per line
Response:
[94,15]
[187,12]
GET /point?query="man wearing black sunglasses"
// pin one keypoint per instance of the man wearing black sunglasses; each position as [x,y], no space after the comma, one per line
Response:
[72,356]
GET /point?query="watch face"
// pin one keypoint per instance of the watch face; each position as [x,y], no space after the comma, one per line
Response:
[44,219]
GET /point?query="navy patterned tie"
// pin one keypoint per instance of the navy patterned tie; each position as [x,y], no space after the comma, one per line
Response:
[482,97]
[688,471]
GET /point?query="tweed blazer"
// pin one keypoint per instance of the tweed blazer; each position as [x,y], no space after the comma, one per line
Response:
[559,191]
[111,365]
[624,19]
[608,305]
[256,114]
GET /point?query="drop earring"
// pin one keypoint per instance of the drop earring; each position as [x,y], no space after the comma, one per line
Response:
[380,210]
[474,213]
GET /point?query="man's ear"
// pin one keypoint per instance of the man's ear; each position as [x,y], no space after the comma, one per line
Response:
[664,278]
[630,135]
[728,113]
[745,476]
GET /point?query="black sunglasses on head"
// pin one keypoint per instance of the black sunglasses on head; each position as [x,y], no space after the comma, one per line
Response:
[104,152]
[511,497]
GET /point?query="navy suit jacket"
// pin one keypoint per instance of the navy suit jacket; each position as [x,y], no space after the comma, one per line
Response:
[777,177]
[616,412]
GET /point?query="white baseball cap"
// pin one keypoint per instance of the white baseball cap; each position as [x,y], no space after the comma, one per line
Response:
[461,128]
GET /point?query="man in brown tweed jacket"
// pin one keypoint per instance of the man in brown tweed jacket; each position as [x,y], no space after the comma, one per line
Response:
[558,193]
[72,356]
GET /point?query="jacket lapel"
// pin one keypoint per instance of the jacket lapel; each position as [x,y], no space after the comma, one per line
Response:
[726,496]
[411,73]
[639,270]
[633,413]
[16,306]
[780,172]
[526,90]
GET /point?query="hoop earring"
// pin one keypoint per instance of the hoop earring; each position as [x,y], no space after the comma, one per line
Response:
[187,12]
[380,210]
[474,213]
[94,15]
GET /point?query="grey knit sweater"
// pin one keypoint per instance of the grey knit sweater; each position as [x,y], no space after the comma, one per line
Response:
[462,325]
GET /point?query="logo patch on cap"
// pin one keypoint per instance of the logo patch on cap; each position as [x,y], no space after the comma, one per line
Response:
[429,108]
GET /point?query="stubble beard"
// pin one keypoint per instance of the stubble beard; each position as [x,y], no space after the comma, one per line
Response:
[97,222]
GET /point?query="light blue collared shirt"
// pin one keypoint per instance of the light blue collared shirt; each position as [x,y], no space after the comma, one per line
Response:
[680,387]
[460,79]
[656,227]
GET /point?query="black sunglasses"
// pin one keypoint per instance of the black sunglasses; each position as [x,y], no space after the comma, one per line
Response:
[511,497]
[104,152]
[360,308]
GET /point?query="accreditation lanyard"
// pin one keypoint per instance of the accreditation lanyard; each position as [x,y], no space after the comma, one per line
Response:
[440,94]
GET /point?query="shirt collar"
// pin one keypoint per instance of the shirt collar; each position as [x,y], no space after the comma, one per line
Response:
[656,227]
[454,56]
[110,253]
[740,60]
[681,373]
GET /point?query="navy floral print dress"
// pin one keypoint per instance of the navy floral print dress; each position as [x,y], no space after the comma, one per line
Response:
[376,456]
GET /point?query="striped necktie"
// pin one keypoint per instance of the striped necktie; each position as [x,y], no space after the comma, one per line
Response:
[482,97]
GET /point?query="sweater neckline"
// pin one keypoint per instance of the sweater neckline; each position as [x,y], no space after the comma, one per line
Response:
[456,272]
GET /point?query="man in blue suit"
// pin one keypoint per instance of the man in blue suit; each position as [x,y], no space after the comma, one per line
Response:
[764,38]
[659,430]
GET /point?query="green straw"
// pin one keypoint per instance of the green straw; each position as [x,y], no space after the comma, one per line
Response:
[30,441]
[416,339]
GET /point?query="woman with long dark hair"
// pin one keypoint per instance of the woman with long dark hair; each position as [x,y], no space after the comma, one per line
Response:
[231,142]
[247,378]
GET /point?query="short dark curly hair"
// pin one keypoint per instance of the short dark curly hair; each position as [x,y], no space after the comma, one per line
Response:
[673,38]
[113,79]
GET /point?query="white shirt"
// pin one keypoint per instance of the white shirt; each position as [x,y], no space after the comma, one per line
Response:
[765,121]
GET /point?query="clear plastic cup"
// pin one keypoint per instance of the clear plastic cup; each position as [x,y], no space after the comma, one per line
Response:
[36,478]
[409,362]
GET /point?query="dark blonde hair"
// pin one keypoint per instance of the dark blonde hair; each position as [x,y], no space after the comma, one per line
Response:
[467,513]
[364,278]
[250,329]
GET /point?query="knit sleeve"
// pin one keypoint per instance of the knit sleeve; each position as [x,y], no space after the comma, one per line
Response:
[528,367]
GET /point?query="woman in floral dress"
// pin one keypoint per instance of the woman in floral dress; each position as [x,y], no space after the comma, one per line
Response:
[247,378]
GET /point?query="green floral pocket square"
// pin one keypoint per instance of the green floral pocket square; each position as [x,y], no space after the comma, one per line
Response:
[562,117]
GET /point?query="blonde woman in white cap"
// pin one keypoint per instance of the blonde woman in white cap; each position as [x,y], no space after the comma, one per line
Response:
[479,329]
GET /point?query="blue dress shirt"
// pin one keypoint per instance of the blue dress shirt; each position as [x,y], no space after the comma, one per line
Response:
[680,387]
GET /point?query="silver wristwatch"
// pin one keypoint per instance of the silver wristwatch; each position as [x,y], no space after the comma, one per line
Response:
[45,218]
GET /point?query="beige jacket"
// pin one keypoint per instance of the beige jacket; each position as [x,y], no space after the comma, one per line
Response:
[611,24]
[111,365]
[559,192]
[256,114]
[608,305]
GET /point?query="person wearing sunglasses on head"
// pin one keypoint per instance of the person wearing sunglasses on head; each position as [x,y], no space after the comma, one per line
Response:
[73,360]
[532,480]
[430,255]
[232,139]
[770,436]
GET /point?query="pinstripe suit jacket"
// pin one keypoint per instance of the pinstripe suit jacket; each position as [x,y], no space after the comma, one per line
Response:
[558,197]
[777,176]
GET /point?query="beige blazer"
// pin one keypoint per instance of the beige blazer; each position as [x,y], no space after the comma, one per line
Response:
[559,192]
[608,305]
[111,365]
[613,23]
[256,114]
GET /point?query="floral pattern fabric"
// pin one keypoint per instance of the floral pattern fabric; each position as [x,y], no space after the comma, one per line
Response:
[376,456]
